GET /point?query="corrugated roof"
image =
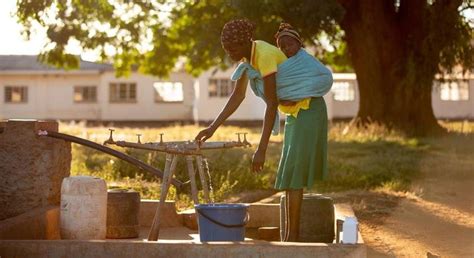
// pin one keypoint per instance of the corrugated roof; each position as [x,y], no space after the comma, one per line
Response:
[31,63]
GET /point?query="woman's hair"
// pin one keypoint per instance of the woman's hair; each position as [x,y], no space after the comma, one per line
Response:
[286,29]
[237,31]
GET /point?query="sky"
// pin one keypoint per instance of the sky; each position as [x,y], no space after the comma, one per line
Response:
[14,44]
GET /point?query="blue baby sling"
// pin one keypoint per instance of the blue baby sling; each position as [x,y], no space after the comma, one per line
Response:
[300,76]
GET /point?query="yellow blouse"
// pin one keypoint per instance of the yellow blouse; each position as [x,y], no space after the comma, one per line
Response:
[294,109]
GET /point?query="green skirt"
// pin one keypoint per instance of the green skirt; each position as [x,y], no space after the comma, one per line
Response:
[304,154]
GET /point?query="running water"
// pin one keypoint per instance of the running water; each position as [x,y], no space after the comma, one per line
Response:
[211,189]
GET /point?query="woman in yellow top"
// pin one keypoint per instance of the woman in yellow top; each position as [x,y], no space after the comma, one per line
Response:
[307,142]
[236,39]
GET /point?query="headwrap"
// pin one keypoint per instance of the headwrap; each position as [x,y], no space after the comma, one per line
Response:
[286,29]
[237,31]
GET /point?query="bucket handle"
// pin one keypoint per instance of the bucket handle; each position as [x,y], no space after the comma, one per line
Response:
[246,220]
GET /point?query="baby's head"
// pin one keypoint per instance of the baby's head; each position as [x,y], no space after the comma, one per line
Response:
[288,40]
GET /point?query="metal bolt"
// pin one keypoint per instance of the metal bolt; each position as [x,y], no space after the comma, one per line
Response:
[139,138]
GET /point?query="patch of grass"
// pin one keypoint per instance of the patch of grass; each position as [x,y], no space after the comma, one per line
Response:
[370,164]
[374,158]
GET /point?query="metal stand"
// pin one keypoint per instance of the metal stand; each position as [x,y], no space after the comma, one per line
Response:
[170,167]
[205,187]
[188,149]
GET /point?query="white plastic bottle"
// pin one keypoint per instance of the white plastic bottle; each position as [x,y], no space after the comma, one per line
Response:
[350,230]
[83,208]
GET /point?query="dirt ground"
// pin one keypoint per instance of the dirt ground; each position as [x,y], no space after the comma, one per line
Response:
[434,219]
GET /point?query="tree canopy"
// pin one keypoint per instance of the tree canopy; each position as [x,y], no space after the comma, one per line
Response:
[154,35]
[396,47]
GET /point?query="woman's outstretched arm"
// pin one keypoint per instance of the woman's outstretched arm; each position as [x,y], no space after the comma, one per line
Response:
[271,100]
[235,99]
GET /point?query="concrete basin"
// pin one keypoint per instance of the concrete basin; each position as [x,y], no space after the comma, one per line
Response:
[36,234]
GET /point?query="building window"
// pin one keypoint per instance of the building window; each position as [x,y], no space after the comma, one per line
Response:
[168,91]
[85,94]
[343,91]
[16,94]
[121,92]
[220,87]
[454,91]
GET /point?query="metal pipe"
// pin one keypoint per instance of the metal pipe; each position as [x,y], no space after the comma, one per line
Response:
[138,163]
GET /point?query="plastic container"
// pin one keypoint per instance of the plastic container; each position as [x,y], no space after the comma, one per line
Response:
[123,207]
[83,208]
[350,230]
[222,222]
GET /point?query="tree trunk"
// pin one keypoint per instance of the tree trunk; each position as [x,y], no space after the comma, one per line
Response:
[395,90]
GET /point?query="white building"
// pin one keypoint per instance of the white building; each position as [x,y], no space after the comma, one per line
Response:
[29,89]
[450,100]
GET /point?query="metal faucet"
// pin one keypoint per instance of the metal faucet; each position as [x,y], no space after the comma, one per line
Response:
[245,140]
[110,140]
[161,138]
[238,135]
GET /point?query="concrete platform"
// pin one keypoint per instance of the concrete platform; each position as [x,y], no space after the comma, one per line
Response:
[174,241]
[173,248]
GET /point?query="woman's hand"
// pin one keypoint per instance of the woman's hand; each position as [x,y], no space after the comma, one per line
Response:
[205,134]
[258,160]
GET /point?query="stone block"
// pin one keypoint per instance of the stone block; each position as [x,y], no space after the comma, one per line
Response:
[317,219]
[269,233]
[122,214]
[189,219]
[32,167]
[264,215]
[40,223]
[176,248]
[169,216]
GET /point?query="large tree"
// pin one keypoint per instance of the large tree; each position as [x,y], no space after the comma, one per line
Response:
[396,47]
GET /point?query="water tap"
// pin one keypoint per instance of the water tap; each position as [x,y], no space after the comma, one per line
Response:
[161,138]
[245,140]
[238,135]
[110,140]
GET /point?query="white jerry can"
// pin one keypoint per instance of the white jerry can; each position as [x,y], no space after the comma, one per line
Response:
[83,208]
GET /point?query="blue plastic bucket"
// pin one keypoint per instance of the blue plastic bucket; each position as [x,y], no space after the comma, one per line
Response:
[222,222]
